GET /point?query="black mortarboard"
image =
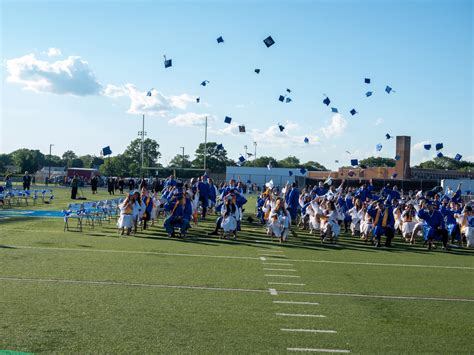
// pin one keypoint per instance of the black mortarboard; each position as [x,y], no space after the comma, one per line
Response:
[257,71]
[326,101]
[333,109]
[388,89]
[241,159]
[397,157]
[219,146]
[368,93]
[242,129]
[439,146]
[427,146]
[306,139]
[353,112]
[205,82]
[198,99]
[149,93]
[440,155]
[269,41]
[394,175]
[168,62]
[106,151]
[281,98]
[388,136]
[288,100]
[336,161]
[288,91]
[354,162]
[220,39]
[367,80]
[458,157]
[228,119]
[378,147]
[303,171]
[281,128]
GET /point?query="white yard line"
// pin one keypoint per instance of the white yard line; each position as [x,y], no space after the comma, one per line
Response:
[319,350]
[117,283]
[273,292]
[280,264]
[300,315]
[275,256]
[270,251]
[10,247]
[285,283]
[289,270]
[262,258]
[292,276]
[295,302]
[308,330]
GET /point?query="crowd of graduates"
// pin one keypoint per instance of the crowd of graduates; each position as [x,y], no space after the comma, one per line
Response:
[373,216]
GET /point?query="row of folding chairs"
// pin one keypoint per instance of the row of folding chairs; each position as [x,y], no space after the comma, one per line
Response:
[13,197]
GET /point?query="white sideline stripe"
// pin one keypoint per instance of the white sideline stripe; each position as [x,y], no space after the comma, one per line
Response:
[278,269]
[285,283]
[281,264]
[278,256]
[293,276]
[116,283]
[319,350]
[308,330]
[240,257]
[270,251]
[300,315]
[295,302]
[273,292]
[262,258]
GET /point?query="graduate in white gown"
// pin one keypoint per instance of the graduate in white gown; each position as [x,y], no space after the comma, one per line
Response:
[279,220]
[408,221]
[357,214]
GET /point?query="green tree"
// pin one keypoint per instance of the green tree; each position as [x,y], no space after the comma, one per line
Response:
[28,160]
[68,157]
[446,163]
[53,160]
[119,165]
[262,162]
[151,153]
[216,158]
[372,162]
[5,159]
[179,162]
[289,162]
[77,163]
[91,161]
[315,166]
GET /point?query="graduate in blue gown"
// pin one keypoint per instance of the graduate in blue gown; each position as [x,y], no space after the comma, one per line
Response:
[181,211]
[433,227]
[204,191]
[384,222]
[292,200]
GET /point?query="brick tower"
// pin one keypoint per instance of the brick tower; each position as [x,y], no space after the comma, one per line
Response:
[402,166]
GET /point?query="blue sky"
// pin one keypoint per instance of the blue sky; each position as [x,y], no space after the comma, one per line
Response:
[90,92]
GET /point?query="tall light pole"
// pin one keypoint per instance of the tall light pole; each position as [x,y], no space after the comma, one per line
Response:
[142,133]
[49,172]
[246,154]
[205,143]
[255,154]
[182,159]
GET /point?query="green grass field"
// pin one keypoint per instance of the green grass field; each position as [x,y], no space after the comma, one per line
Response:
[97,292]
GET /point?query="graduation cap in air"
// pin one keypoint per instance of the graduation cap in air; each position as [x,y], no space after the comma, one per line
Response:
[306,139]
[281,128]
[354,162]
[257,71]
[440,155]
[394,175]
[333,109]
[149,93]
[287,100]
[367,80]
[427,146]
[281,98]
[439,146]
[250,219]
[290,173]
[205,82]
[353,112]
[397,157]
[388,89]
[241,159]
[368,93]
[249,155]
[303,171]
[378,147]
[106,151]
[198,99]
[168,62]
[269,41]
[288,91]
[242,129]
[336,161]
[220,39]
[348,152]
[326,101]
[388,136]
[227,119]
[458,157]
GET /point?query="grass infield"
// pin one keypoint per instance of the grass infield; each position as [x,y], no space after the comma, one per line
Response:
[98,292]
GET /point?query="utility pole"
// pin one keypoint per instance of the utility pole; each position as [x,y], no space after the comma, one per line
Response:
[49,172]
[182,159]
[205,143]
[246,154]
[255,154]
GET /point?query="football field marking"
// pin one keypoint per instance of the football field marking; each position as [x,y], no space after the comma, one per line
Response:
[286,283]
[280,264]
[273,292]
[262,258]
[319,350]
[117,283]
[308,330]
[300,315]
[295,302]
[292,276]
[289,270]
[10,247]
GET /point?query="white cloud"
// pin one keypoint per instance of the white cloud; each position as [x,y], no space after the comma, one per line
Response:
[229,130]
[420,146]
[337,126]
[378,122]
[157,104]
[191,119]
[53,52]
[71,76]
